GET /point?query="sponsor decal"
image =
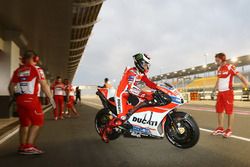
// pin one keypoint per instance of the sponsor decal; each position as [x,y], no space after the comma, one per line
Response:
[139,56]
[41,73]
[23,79]
[145,121]
[24,73]
[138,130]
[119,105]
[23,84]
[131,78]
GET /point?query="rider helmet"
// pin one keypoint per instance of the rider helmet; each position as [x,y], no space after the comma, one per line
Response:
[142,62]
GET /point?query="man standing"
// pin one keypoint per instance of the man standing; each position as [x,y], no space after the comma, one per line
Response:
[71,98]
[24,85]
[225,97]
[58,89]
[78,94]
[107,83]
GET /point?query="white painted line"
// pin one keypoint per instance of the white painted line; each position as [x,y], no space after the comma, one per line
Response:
[9,135]
[16,129]
[202,129]
[233,136]
[207,109]
[92,103]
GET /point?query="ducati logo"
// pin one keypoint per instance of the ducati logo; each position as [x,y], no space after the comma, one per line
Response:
[145,121]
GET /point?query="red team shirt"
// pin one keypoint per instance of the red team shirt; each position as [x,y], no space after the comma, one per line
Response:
[225,96]
[58,89]
[70,90]
[225,74]
[26,78]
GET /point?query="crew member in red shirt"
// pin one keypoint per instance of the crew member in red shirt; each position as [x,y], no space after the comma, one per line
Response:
[225,97]
[24,85]
[58,89]
[70,93]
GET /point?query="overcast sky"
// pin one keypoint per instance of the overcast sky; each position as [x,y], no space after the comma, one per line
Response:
[176,34]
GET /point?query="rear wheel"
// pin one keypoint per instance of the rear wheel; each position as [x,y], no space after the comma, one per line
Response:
[101,119]
[183,131]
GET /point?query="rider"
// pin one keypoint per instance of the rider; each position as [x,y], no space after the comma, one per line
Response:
[129,85]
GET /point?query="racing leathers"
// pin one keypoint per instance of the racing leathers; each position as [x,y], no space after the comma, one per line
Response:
[128,85]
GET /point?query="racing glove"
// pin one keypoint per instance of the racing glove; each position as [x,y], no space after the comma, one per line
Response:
[147,96]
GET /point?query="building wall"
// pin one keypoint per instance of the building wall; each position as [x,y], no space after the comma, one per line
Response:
[4,67]
[14,59]
[9,61]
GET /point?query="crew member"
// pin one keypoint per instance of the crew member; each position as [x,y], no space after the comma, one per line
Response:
[78,94]
[58,89]
[24,86]
[70,96]
[225,97]
[107,84]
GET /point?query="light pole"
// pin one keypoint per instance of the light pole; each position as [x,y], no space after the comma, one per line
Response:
[205,74]
[114,81]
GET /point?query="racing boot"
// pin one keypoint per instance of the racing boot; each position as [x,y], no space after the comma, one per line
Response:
[109,128]
[104,134]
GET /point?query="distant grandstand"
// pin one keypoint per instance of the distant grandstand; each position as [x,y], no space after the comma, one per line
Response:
[197,83]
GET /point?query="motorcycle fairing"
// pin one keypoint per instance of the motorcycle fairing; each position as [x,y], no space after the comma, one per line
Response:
[149,120]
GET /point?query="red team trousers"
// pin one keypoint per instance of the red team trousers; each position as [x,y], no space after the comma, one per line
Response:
[59,100]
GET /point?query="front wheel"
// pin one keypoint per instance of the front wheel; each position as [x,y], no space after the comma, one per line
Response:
[181,130]
[101,119]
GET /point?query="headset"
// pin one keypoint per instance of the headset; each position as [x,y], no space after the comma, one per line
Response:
[28,54]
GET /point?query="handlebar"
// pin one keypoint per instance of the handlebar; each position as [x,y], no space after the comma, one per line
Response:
[160,98]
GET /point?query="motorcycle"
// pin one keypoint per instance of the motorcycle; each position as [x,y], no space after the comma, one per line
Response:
[152,119]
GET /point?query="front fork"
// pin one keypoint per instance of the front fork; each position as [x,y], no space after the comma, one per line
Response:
[176,123]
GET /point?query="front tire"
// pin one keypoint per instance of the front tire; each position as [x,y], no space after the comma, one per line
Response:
[101,119]
[183,132]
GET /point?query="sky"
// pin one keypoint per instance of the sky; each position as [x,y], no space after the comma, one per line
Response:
[176,35]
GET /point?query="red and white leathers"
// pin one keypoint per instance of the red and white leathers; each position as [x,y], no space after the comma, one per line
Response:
[225,97]
[71,94]
[26,78]
[129,85]
[58,92]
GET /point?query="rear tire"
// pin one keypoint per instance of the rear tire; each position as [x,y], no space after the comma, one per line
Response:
[188,134]
[101,119]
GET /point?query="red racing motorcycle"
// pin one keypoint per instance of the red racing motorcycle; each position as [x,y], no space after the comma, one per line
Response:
[152,119]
